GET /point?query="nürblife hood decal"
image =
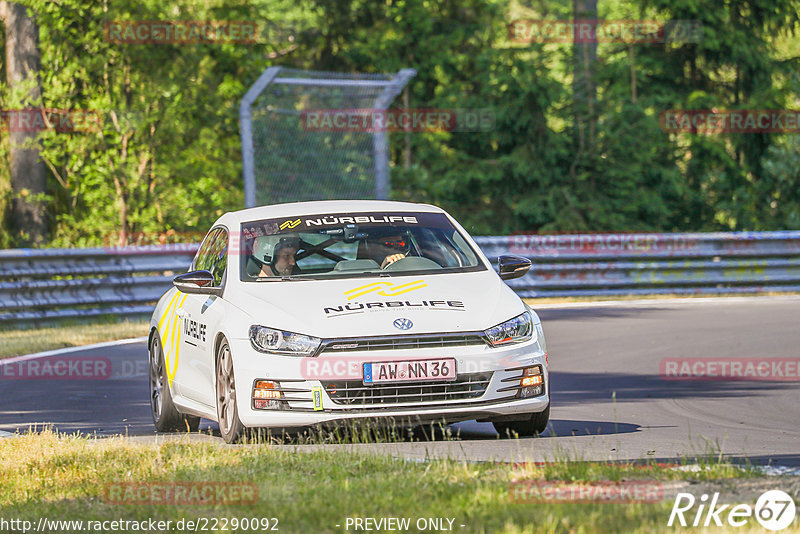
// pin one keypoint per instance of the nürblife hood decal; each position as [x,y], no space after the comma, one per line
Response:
[447,302]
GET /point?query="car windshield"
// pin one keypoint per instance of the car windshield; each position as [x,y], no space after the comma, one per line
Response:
[353,245]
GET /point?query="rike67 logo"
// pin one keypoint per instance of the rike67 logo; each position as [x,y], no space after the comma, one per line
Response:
[774,510]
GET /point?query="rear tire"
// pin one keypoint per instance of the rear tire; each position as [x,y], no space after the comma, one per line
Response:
[230,426]
[166,416]
[529,427]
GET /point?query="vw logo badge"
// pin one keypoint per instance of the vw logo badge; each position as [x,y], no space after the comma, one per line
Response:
[403,324]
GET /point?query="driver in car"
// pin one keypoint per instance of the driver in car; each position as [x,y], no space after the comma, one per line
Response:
[283,259]
[389,247]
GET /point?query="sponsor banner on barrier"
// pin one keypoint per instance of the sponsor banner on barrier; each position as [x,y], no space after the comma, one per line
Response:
[756,369]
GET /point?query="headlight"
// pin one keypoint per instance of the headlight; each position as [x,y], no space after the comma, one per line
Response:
[265,339]
[515,330]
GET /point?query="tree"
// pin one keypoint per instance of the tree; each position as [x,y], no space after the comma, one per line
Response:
[28,172]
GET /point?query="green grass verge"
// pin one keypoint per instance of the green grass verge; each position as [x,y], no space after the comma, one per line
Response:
[17,341]
[67,478]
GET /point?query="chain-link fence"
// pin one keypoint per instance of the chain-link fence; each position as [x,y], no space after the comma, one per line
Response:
[285,159]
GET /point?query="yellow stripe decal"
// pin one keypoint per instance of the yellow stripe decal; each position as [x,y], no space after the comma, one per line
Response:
[386,291]
[367,289]
[166,311]
[163,326]
[176,343]
[172,369]
[405,287]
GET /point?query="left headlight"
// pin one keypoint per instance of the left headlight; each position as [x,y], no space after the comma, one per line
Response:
[265,339]
[515,330]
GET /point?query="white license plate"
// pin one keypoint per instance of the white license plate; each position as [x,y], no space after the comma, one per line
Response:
[441,369]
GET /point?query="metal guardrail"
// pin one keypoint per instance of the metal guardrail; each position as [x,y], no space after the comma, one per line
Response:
[37,284]
[638,264]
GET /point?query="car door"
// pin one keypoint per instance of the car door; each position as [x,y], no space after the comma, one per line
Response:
[201,315]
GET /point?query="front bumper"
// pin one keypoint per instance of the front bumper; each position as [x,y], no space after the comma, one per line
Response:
[303,378]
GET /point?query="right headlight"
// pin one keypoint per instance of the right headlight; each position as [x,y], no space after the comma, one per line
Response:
[270,340]
[516,330]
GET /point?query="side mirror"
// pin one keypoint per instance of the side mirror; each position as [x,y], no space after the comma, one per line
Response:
[511,267]
[196,282]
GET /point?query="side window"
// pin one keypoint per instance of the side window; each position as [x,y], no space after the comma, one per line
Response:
[201,262]
[220,254]
[213,254]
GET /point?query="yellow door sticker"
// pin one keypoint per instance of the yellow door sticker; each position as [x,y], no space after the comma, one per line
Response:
[169,327]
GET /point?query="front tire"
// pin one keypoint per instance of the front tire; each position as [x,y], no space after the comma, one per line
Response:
[230,426]
[533,426]
[166,416]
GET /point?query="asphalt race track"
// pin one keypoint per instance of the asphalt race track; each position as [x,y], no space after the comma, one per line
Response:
[609,400]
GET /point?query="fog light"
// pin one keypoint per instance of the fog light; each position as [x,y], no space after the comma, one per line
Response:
[266,396]
[532,382]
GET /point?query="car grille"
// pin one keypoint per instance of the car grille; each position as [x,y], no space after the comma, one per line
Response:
[402,342]
[355,393]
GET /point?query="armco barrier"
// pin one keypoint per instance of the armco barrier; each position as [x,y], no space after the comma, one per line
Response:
[40,284]
[631,264]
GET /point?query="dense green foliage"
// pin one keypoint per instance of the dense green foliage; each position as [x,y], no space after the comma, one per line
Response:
[167,157]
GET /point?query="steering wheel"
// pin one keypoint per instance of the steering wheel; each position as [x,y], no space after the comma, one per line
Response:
[411,263]
[392,258]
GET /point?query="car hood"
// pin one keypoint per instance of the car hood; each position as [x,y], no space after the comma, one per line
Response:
[371,306]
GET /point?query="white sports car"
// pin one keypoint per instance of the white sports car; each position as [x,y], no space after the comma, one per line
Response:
[322,312]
